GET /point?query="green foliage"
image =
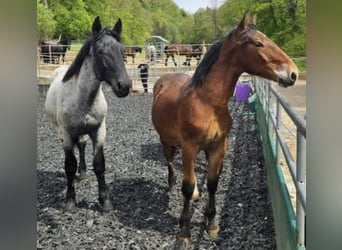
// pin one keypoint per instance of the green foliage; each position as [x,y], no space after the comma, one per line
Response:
[284,21]
[46,24]
[301,63]
[72,19]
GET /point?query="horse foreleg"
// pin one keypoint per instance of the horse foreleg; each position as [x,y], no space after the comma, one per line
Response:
[169,152]
[99,167]
[82,167]
[215,161]
[70,166]
[189,190]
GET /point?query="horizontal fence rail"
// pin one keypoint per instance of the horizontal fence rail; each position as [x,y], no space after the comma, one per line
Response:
[272,104]
[47,63]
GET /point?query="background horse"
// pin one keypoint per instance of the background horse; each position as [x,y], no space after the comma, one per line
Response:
[52,51]
[197,51]
[192,113]
[131,51]
[76,104]
[151,52]
[174,49]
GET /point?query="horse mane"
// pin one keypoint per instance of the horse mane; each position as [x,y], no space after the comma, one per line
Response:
[76,65]
[205,65]
[212,55]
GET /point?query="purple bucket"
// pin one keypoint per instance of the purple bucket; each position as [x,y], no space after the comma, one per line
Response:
[242,92]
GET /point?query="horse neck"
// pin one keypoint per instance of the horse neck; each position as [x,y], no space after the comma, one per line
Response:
[88,84]
[221,80]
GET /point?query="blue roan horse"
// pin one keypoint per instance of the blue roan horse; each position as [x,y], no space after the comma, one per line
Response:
[76,104]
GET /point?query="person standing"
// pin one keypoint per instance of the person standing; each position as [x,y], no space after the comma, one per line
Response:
[144,75]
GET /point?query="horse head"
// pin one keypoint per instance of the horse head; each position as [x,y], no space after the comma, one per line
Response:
[263,57]
[108,53]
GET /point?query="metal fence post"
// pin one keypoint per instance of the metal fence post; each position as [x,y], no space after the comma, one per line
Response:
[278,122]
[300,178]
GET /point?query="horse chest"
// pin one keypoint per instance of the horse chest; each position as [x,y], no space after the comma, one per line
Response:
[214,132]
[81,122]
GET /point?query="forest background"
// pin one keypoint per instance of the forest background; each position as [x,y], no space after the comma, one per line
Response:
[284,21]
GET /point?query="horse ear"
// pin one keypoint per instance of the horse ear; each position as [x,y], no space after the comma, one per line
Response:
[254,18]
[118,27]
[244,21]
[96,25]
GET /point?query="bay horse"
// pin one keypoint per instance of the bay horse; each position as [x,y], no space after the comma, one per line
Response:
[191,113]
[197,51]
[178,49]
[131,51]
[76,104]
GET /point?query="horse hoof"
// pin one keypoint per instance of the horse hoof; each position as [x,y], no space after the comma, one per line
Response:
[173,190]
[107,206]
[82,176]
[184,237]
[70,207]
[213,231]
[184,240]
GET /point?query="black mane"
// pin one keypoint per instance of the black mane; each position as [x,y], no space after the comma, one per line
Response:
[76,65]
[205,65]
[212,55]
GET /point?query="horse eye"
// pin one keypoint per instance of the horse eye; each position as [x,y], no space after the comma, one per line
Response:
[258,44]
[100,52]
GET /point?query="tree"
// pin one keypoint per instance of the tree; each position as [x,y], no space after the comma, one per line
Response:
[282,20]
[46,24]
[72,19]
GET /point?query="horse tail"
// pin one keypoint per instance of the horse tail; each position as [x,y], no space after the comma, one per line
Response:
[166,48]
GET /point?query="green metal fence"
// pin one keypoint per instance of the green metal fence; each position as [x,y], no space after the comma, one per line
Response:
[269,106]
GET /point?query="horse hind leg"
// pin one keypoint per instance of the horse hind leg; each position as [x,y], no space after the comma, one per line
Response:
[169,152]
[99,167]
[82,167]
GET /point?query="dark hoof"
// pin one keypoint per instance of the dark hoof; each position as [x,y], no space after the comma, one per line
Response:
[173,190]
[184,240]
[70,207]
[213,230]
[107,206]
[82,176]
[184,237]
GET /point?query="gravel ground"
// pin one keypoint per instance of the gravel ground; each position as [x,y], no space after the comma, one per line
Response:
[145,215]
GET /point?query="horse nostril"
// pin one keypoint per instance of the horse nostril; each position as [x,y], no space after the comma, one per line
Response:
[293,76]
[119,86]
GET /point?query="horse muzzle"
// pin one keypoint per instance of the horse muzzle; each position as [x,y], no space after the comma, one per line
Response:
[122,89]
[289,80]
